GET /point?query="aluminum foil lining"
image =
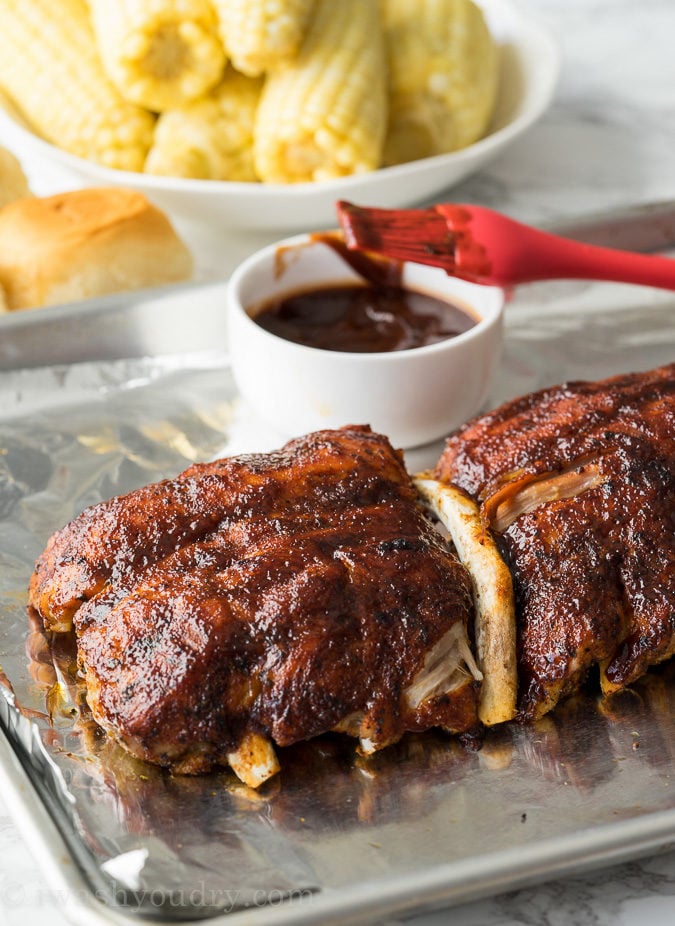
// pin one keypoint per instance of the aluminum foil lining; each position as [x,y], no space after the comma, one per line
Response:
[332,821]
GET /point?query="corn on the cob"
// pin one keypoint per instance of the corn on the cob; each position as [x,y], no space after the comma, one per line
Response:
[212,138]
[159,53]
[50,69]
[258,34]
[442,63]
[13,183]
[323,115]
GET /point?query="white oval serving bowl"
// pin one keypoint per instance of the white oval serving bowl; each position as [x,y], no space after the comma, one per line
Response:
[413,396]
[529,74]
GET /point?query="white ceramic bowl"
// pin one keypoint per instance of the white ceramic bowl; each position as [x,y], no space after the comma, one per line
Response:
[530,65]
[413,396]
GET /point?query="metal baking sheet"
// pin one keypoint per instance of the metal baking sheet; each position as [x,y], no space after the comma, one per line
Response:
[164,321]
[335,836]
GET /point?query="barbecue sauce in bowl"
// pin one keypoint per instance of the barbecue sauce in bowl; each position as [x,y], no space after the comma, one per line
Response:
[362,318]
[367,322]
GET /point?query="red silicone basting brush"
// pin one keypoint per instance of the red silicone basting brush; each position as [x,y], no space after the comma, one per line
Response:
[483,246]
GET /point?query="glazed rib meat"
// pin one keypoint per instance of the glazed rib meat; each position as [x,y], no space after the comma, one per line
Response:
[265,599]
[578,483]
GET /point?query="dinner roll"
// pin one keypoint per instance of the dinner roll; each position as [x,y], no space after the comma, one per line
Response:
[86,243]
[13,183]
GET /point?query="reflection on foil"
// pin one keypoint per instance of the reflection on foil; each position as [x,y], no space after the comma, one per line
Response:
[126,868]
[642,719]
[331,819]
[571,744]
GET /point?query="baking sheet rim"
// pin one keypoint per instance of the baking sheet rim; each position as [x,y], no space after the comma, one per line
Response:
[443,885]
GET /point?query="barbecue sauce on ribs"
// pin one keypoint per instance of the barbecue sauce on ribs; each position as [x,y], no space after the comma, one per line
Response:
[578,483]
[282,594]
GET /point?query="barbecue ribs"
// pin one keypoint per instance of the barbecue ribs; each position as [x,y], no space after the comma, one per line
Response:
[577,483]
[265,599]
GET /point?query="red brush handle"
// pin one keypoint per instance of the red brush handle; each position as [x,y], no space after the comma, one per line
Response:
[492,248]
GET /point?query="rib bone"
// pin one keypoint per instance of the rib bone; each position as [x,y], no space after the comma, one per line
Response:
[254,760]
[495,629]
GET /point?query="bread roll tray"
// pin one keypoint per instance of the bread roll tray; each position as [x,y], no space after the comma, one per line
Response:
[334,837]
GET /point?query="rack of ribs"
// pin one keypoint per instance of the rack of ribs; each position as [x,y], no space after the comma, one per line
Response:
[577,485]
[265,599]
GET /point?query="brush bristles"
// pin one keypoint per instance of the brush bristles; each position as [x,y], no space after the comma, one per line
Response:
[418,235]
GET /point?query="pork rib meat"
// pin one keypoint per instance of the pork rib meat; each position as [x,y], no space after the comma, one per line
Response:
[578,484]
[264,599]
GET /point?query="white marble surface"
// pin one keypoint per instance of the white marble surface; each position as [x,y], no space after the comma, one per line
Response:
[608,139]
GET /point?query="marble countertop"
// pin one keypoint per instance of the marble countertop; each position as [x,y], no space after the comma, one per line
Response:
[607,140]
